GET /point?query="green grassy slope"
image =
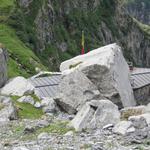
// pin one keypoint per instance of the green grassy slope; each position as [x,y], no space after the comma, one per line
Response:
[22,60]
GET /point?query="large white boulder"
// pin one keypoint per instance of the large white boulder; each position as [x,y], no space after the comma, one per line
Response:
[96,114]
[17,87]
[3,67]
[107,69]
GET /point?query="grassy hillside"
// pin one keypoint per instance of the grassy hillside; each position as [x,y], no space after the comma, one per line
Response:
[22,60]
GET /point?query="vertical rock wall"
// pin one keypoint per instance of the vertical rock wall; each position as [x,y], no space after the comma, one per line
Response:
[3,66]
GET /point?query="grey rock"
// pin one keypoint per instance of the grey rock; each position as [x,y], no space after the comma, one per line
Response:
[1,147]
[26,99]
[37,105]
[69,133]
[29,129]
[82,118]
[122,127]
[96,114]
[140,121]
[75,90]
[42,123]
[63,46]
[12,112]
[98,146]
[5,100]
[139,135]
[43,135]
[3,66]
[131,130]
[148,108]
[25,3]
[8,111]
[140,11]
[18,86]
[49,105]
[106,113]
[20,148]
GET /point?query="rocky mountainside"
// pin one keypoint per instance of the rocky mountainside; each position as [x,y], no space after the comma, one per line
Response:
[140,9]
[52,30]
[56,28]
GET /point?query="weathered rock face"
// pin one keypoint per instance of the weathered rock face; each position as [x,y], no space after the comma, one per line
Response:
[104,21]
[25,3]
[3,67]
[106,69]
[75,89]
[139,9]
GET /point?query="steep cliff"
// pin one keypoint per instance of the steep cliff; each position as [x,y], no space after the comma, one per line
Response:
[140,9]
[3,66]
[54,28]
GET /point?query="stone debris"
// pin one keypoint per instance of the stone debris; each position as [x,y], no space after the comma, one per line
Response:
[49,105]
[123,127]
[96,114]
[37,105]
[83,117]
[20,148]
[69,133]
[43,135]
[140,121]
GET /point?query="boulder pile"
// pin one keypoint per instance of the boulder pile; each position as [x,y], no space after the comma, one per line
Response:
[94,86]
[96,114]
[100,74]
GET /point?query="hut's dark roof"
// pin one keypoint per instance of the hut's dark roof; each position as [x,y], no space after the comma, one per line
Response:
[46,86]
[140,77]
